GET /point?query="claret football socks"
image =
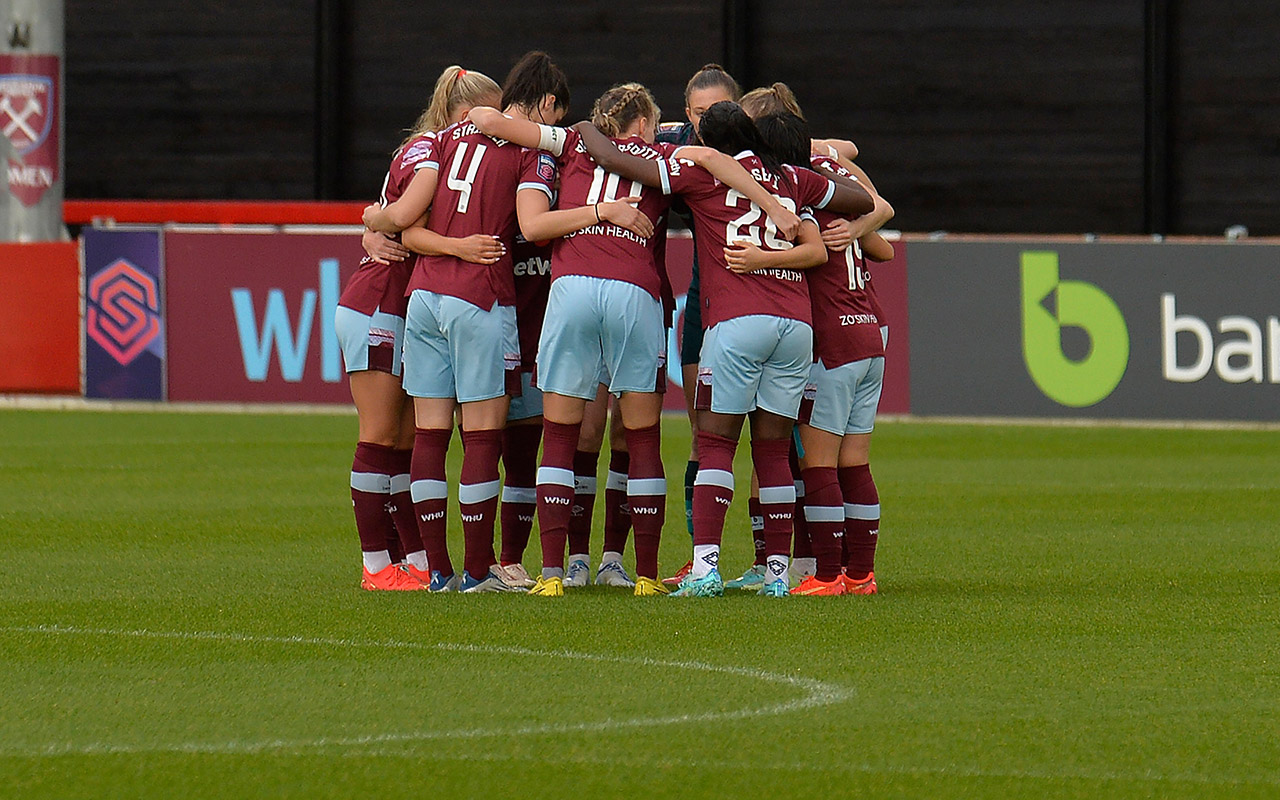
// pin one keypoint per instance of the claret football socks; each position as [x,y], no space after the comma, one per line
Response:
[556,490]
[617,512]
[519,489]
[430,494]
[862,519]
[478,490]
[646,495]
[585,484]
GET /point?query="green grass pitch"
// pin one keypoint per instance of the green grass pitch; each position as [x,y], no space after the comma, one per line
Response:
[1065,612]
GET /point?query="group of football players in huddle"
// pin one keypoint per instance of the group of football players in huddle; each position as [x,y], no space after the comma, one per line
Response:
[516,281]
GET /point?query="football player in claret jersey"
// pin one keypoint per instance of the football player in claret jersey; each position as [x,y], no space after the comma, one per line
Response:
[523,431]
[842,507]
[604,315]
[754,576]
[461,341]
[370,325]
[758,345]
[708,86]
[536,195]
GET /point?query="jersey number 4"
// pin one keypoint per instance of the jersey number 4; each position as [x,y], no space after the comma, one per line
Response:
[460,184]
[746,228]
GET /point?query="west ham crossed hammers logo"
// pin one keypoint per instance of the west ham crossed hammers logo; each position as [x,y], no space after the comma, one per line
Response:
[25,116]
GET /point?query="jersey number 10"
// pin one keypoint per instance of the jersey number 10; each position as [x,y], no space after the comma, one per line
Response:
[609,185]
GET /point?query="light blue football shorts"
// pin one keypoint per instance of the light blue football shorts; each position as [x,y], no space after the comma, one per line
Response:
[529,404]
[453,349]
[600,331]
[756,361]
[369,341]
[847,396]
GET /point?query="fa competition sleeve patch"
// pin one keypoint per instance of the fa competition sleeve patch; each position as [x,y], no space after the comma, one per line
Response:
[540,174]
[421,153]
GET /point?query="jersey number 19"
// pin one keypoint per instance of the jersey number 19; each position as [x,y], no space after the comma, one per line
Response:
[858,276]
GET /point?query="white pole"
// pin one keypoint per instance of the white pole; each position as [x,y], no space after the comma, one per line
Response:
[32,130]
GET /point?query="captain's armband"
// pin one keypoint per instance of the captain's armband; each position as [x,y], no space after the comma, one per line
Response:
[551,138]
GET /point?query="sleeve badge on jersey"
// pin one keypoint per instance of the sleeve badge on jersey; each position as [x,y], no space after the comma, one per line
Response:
[546,167]
[416,152]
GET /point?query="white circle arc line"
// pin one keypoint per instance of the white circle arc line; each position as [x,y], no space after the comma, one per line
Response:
[816,694]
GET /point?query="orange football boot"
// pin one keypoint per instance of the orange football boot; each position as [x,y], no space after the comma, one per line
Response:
[674,580]
[391,579]
[812,586]
[866,585]
[421,577]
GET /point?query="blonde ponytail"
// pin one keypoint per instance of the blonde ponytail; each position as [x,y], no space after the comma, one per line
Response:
[455,87]
[776,99]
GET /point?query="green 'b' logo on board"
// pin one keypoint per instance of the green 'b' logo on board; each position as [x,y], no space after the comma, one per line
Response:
[1049,305]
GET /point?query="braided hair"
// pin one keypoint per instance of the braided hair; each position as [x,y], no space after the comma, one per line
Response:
[615,110]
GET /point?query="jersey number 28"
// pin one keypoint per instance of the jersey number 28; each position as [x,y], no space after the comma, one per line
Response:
[746,228]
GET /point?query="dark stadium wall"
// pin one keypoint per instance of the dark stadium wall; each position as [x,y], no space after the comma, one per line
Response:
[989,116]
[202,101]
[1225,131]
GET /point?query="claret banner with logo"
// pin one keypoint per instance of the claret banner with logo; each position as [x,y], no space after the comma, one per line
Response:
[124,345]
[191,313]
[1119,330]
[250,315]
[29,121]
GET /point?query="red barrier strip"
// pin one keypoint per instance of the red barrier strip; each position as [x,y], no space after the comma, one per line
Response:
[212,212]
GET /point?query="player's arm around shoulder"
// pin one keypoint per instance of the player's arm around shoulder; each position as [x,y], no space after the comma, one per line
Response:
[493,123]
[808,251]
[728,171]
[607,155]
[840,149]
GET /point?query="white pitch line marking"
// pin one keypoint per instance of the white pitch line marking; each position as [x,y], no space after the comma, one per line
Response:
[810,768]
[817,694]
